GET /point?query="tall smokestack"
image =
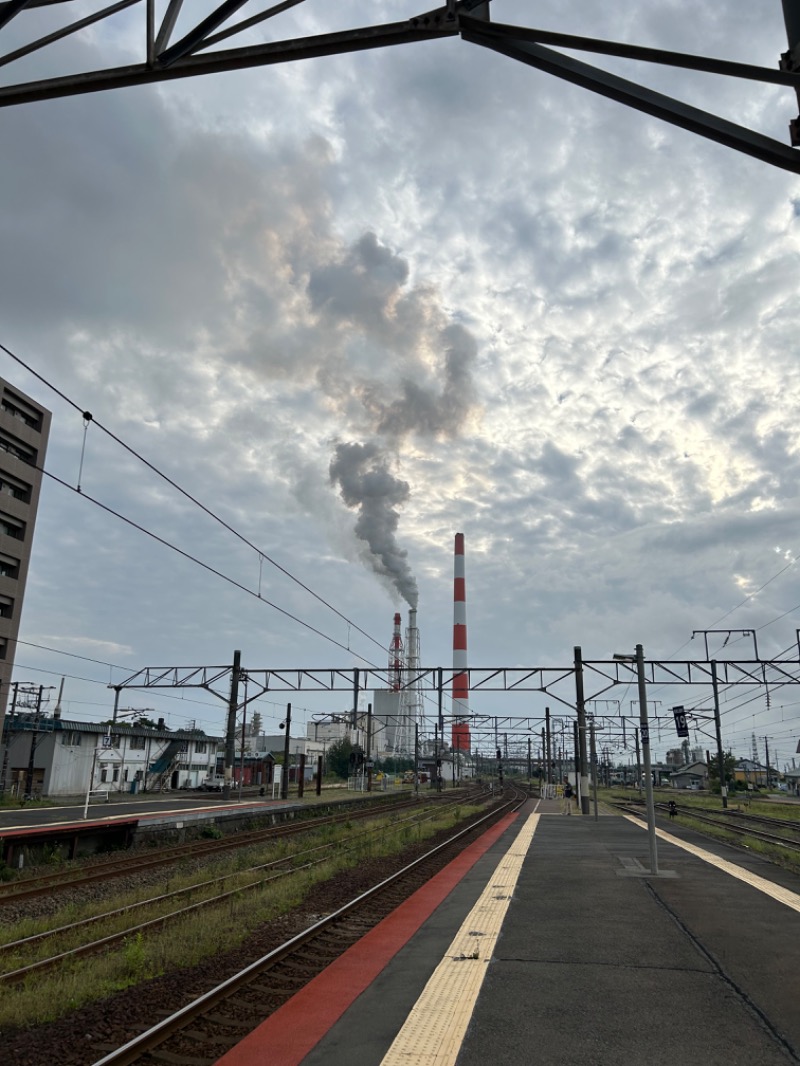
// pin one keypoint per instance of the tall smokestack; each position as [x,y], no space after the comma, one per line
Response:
[396,657]
[461,739]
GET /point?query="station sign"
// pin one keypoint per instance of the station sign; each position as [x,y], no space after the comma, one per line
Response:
[681,725]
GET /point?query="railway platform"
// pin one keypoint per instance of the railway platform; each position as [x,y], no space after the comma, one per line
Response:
[549,940]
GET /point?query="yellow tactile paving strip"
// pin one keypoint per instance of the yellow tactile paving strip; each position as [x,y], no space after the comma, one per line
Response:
[434,1030]
[777,892]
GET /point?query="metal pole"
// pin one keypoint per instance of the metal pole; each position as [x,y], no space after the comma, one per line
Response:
[28,794]
[638,763]
[416,759]
[791,16]
[548,745]
[116,701]
[8,722]
[241,746]
[580,706]
[355,699]
[230,732]
[593,757]
[644,728]
[286,739]
[319,775]
[723,785]
[766,746]
[369,747]
[91,782]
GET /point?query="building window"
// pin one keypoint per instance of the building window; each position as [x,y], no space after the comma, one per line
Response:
[19,408]
[137,743]
[17,448]
[6,607]
[12,527]
[200,747]
[15,487]
[9,566]
[71,738]
[104,774]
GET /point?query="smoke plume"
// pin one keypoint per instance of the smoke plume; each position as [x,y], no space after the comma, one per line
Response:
[362,473]
[398,366]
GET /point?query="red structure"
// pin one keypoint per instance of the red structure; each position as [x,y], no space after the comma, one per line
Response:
[460,735]
[396,654]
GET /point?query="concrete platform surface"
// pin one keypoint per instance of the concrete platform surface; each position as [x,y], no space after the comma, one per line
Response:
[596,961]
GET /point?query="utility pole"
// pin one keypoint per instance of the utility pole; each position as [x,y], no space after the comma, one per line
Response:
[369,747]
[548,744]
[723,784]
[8,722]
[766,745]
[593,757]
[580,706]
[230,731]
[638,763]
[416,759]
[28,794]
[644,730]
[287,725]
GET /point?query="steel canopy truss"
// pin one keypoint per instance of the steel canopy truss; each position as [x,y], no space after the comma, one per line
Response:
[191,54]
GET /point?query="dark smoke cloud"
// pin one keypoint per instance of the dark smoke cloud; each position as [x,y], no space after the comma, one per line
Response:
[415,379]
[365,482]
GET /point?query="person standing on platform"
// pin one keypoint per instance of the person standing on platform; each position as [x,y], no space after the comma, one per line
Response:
[567,798]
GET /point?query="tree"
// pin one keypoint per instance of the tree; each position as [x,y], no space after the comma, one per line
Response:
[728,762]
[338,757]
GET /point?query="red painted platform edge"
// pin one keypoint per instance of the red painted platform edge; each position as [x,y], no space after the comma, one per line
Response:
[289,1034]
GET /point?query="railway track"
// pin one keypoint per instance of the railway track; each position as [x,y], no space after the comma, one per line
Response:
[67,878]
[201,1031]
[214,891]
[744,826]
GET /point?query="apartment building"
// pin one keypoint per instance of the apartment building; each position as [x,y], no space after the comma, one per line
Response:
[24,430]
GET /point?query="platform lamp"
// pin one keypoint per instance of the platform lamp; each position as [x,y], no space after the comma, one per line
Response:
[644,732]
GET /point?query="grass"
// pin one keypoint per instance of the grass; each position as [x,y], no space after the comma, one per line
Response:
[187,941]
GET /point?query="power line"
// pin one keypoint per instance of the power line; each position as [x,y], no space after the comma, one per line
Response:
[199,562]
[189,496]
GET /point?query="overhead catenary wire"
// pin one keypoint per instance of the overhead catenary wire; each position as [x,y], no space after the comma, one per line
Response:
[87,417]
[199,562]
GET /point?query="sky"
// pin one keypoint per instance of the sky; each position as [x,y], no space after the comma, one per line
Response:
[355,305]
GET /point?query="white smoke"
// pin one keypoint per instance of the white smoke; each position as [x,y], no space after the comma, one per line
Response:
[406,331]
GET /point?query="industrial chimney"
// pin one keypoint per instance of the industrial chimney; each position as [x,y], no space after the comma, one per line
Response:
[460,734]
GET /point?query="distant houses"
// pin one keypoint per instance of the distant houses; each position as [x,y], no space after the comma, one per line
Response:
[56,757]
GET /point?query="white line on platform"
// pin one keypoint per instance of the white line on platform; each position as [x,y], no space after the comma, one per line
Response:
[769,888]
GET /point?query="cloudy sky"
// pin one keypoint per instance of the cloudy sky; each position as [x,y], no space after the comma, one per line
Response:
[358,304]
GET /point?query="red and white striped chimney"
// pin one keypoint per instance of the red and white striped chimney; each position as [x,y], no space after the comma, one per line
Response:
[460,736]
[396,656]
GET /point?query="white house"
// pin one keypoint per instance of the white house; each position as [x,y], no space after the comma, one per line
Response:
[69,757]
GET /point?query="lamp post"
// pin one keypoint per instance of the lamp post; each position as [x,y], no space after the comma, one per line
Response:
[644,733]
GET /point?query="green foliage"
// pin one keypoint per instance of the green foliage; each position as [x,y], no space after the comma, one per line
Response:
[211,832]
[135,956]
[729,762]
[6,872]
[338,757]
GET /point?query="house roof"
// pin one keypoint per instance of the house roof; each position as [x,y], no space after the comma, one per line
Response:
[27,723]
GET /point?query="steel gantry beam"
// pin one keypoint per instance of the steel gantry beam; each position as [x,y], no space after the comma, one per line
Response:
[196,52]
[606,674]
